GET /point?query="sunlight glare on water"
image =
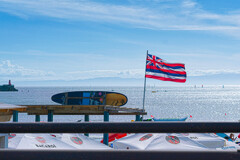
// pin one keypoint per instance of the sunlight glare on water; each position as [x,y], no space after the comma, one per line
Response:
[210,103]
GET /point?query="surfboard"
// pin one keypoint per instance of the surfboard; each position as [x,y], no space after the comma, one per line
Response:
[90,98]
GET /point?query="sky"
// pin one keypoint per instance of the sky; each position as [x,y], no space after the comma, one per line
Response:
[71,40]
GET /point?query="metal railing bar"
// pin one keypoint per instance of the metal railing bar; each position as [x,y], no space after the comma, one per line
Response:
[121,127]
[114,155]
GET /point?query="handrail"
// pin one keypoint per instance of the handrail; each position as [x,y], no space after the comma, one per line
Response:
[121,127]
[114,155]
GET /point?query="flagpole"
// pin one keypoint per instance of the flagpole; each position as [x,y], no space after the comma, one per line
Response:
[144,85]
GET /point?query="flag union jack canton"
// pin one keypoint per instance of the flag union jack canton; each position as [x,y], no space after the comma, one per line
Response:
[157,68]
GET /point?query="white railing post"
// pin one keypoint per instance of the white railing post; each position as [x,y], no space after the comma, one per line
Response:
[3,140]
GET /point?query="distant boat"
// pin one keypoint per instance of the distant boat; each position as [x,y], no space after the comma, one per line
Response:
[169,119]
[8,87]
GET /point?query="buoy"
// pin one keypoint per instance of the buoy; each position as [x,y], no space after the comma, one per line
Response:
[190,116]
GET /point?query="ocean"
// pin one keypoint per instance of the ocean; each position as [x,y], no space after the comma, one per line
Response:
[210,103]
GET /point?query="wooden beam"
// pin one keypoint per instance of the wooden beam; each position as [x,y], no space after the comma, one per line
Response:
[90,113]
[82,110]
[16,109]
[63,106]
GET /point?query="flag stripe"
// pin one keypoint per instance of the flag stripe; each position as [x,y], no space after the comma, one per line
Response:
[174,65]
[176,68]
[173,68]
[165,75]
[166,79]
[165,70]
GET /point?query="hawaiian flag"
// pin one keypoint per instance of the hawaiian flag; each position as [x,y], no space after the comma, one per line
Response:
[157,68]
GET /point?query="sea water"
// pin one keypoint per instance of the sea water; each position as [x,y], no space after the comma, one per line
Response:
[210,103]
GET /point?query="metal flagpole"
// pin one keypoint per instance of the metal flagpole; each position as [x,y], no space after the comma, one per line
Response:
[144,85]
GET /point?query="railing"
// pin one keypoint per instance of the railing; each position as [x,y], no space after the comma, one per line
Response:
[112,127]
[121,127]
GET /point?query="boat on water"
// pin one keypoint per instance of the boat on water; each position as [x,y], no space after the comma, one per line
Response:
[8,87]
[164,119]
[169,119]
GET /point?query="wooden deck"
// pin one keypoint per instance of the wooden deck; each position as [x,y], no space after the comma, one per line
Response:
[6,111]
[50,110]
[80,110]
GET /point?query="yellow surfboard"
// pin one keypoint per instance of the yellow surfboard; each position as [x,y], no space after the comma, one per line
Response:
[90,98]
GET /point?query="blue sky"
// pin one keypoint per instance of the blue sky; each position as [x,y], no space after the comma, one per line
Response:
[68,40]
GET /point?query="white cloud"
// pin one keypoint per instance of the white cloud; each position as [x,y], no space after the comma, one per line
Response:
[212,72]
[20,73]
[187,15]
[9,70]
[52,54]
[189,4]
[131,73]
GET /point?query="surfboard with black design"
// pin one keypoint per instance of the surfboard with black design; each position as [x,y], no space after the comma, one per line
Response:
[90,98]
